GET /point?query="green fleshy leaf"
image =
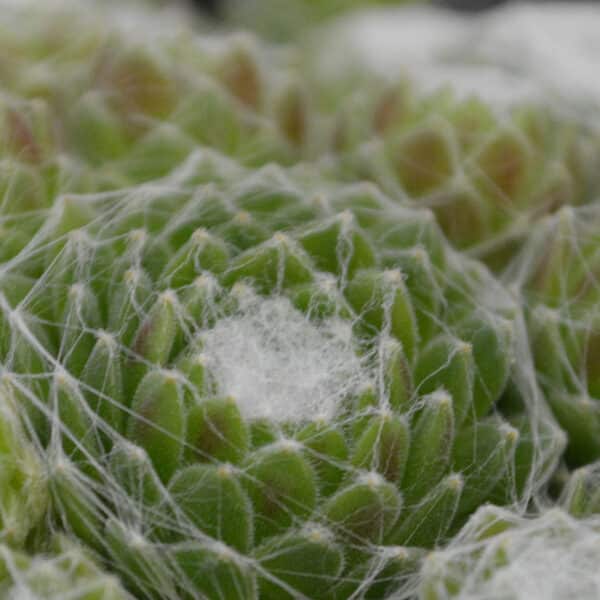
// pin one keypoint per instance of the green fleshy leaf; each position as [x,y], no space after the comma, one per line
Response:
[217,431]
[158,422]
[304,562]
[432,441]
[213,500]
[282,486]
[383,447]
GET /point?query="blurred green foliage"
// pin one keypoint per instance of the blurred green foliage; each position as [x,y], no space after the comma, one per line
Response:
[282,21]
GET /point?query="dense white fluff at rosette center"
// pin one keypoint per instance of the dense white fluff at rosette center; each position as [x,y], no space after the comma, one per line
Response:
[279,365]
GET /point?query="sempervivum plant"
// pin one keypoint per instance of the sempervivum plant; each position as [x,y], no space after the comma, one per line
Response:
[230,368]
[497,552]
[491,177]
[64,571]
[487,174]
[262,387]
[558,275]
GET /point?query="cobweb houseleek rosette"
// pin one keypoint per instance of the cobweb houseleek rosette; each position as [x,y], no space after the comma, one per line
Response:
[89,105]
[497,552]
[239,390]
[556,274]
[489,165]
[487,173]
[65,569]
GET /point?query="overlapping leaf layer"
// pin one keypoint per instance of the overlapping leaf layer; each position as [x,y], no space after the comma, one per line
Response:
[239,356]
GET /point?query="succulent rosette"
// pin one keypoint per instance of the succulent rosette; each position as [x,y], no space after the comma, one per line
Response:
[261,380]
[243,353]
[557,276]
